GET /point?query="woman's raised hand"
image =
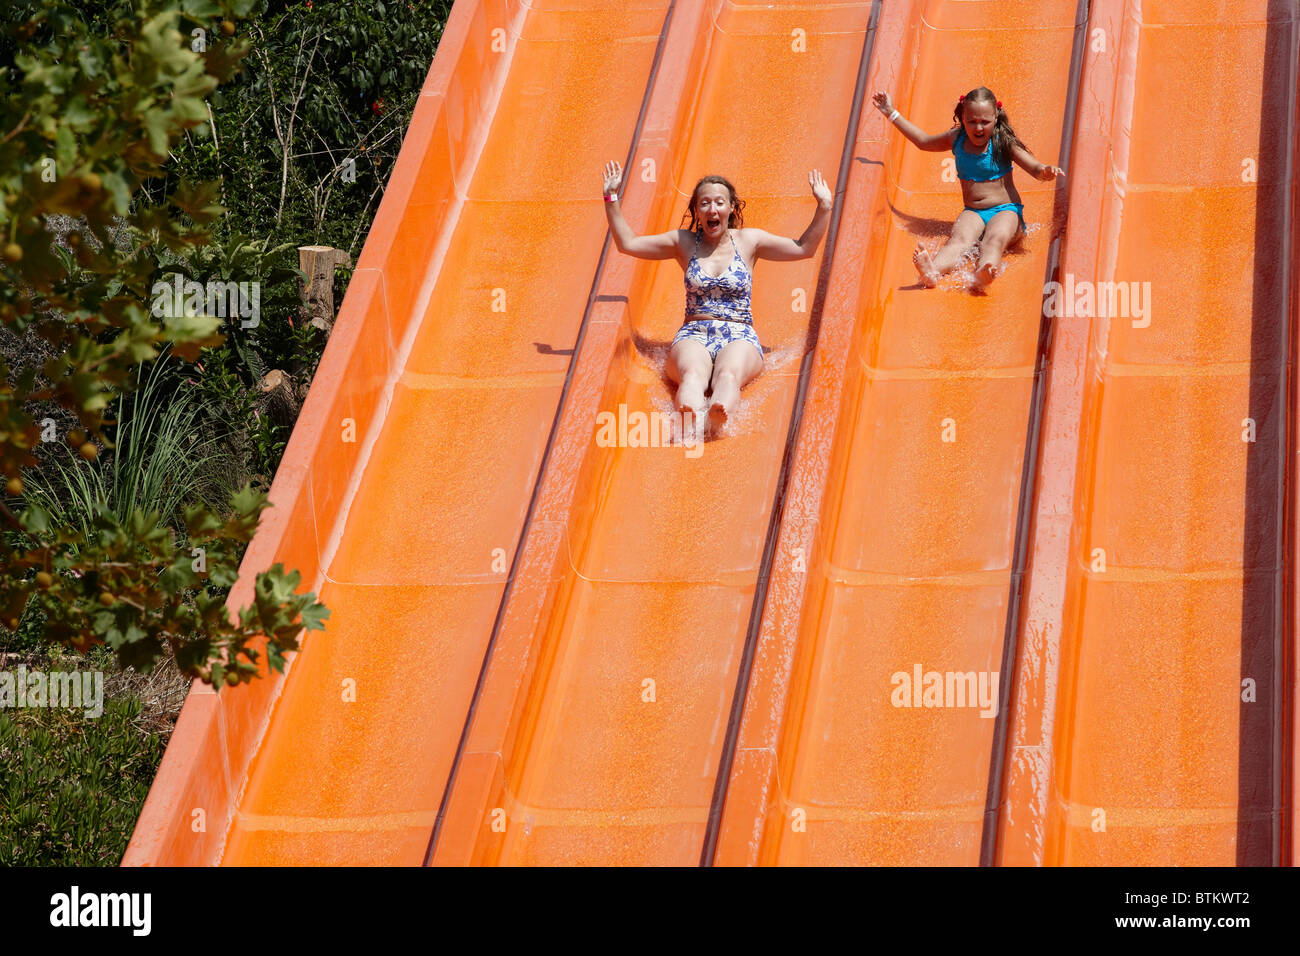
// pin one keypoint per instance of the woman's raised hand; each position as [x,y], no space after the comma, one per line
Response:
[1048,172]
[883,102]
[819,188]
[613,176]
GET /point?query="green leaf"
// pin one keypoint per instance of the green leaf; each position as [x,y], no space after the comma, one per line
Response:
[201,9]
[222,576]
[157,125]
[178,576]
[247,501]
[35,519]
[313,617]
[120,191]
[65,151]
[199,200]
[189,333]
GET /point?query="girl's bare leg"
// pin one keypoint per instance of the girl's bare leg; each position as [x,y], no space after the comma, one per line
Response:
[1002,230]
[737,365]
[965,231]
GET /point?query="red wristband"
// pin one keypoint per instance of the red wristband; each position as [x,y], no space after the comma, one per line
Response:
[611,197]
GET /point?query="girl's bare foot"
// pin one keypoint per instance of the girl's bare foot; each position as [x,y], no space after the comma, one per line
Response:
[984,275]
[717,416]
[925,266]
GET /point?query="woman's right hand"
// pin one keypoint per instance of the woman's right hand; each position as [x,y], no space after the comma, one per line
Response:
[883,102]
[613,176]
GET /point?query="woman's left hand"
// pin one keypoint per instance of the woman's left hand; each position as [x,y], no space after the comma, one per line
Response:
[1048,173]
[819,188]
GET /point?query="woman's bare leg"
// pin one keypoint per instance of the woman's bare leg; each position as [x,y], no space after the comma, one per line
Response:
[690,366]
[737,365]
[965,231]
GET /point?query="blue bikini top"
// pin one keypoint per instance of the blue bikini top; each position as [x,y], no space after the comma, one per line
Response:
[977,168]
[723,297]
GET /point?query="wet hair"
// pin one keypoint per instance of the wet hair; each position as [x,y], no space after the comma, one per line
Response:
[737,218]
[1004,137]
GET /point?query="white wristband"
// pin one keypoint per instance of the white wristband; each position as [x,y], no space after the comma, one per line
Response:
[893,116]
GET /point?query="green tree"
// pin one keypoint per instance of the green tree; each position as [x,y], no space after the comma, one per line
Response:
[92,103]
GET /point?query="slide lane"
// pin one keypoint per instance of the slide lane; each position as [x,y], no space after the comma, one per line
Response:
[417,577]
[605,705]
[910,560]
[1162,737]
[457,315]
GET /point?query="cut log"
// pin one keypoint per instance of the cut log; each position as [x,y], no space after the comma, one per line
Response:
[281,399]
[317,289]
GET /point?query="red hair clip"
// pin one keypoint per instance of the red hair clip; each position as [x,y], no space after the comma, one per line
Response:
[999,104]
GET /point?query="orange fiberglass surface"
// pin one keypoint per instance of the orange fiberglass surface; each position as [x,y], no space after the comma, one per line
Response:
[910,564]
[606,705]
[549,647]
[1154,726]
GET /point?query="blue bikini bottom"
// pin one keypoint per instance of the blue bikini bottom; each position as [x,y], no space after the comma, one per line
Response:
[987,214]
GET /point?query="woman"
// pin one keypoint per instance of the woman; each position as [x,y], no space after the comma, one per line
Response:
[716,347]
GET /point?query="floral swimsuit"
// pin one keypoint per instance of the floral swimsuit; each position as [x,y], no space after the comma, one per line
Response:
[717,307]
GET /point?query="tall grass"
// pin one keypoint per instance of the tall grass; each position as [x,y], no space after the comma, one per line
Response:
[159,459]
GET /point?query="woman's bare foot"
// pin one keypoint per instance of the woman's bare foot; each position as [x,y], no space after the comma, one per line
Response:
[985,275]
[687,415]
[690,396]
[925,267]
[723,400]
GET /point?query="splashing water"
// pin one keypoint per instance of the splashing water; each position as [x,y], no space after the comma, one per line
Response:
[962,278]
[742,421]
[664,406]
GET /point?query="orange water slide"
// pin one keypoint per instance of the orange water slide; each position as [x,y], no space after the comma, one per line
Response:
[540,645]
[1152,720]
[909,505]
[404,489]
[604,712]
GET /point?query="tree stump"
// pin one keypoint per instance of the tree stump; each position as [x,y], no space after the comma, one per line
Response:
[317,289]
[281,399]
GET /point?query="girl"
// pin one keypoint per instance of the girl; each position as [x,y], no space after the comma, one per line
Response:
[716,346]
[984,146]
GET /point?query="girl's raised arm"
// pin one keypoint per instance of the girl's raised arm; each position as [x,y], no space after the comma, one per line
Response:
[661,246]
[937,143]
[1025,160]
